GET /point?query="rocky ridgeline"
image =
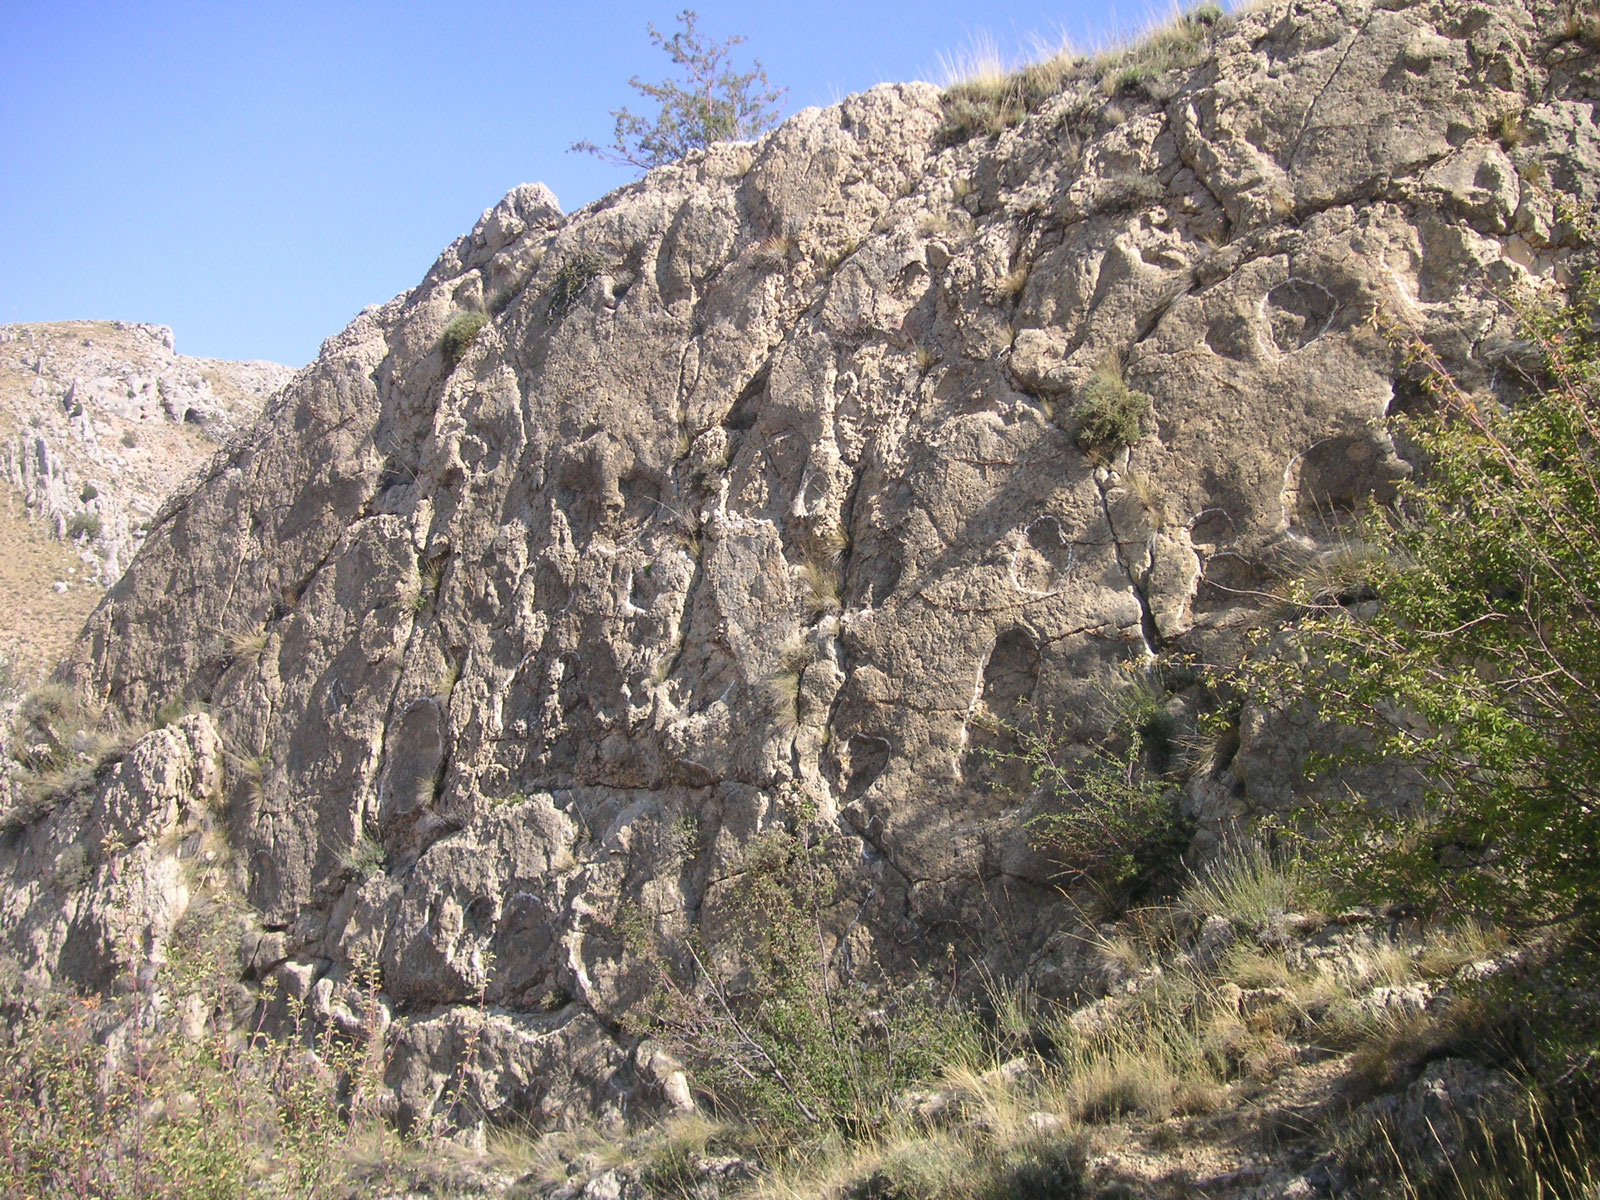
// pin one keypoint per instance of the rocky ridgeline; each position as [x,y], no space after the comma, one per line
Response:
[100,420]
[759,501]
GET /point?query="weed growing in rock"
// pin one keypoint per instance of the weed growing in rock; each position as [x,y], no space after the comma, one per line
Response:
[173,711]
[985,99]
[365,856]
[819,582]
[251,770]
[1251,887]
[417,599]
[781,689]
[1111,818]
[61,745]
[246,645]
[775,253]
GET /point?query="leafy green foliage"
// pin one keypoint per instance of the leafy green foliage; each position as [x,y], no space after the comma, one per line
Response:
[709,102]
[1112,817]
[1478,662]
[1112,821]
[460,333]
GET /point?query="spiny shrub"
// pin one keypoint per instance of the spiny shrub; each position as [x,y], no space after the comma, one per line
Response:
[460,333]
[1108,415]
[573,277]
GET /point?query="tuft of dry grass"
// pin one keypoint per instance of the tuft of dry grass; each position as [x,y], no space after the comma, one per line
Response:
[982,98]
[1251,887]
[831,545]
[776,253]
[1149,496]
[781,689]
[1177,42]
[819,582]
[246,645]
[1011,285]
[1343,574]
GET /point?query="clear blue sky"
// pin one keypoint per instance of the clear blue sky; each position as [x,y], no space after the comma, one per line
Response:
[254,174]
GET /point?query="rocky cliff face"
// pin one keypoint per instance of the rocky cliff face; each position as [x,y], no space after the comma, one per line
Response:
[757,501]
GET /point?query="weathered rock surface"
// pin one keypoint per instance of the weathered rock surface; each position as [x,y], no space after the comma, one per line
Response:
[756,501]
[94,888]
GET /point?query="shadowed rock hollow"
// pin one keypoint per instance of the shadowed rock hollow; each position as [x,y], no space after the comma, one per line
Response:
[756,500]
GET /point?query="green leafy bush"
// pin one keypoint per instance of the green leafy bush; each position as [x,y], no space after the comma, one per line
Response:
[460,333]
[1476,662]
[783,1038]
[1112,821]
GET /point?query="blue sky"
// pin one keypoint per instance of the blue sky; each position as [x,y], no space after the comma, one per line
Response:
[254,174]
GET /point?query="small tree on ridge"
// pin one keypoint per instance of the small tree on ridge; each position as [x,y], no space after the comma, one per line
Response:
[710,103]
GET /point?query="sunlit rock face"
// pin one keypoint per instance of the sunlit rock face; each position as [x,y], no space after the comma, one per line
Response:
[757,502]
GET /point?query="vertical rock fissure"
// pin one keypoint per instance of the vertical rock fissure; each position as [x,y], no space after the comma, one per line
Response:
[1138,583]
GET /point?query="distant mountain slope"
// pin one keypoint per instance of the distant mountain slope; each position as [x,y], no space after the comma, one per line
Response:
[99,422]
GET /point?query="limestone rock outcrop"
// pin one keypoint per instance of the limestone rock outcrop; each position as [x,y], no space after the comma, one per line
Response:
[756,501]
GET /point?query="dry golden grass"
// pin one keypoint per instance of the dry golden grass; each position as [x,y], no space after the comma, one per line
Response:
[819,584]
[38,624]
[1014,282]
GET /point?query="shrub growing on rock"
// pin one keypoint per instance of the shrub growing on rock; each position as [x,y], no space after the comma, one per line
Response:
[710,103]
[571,279]
[781,1037]
[460,333]
[1108,415]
